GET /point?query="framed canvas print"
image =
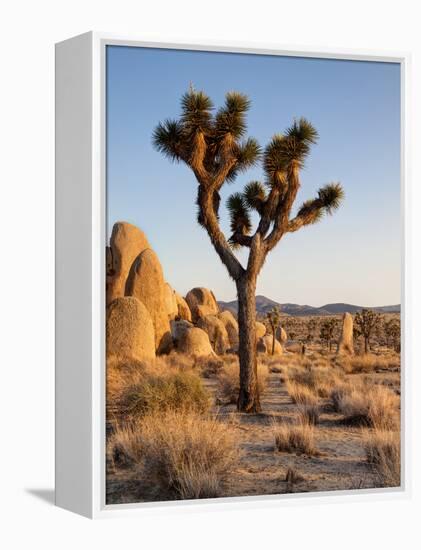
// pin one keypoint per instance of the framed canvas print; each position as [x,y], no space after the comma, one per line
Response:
[230,278]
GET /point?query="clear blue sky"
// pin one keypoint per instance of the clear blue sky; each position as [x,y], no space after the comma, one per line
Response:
[352,256]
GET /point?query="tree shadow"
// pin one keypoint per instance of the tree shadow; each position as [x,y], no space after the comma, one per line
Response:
[47,495]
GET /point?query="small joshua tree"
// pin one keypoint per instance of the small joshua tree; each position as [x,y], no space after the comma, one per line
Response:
[274,318]
[327,331]
[311,329]
[392,329]
[212,144]
[365,323]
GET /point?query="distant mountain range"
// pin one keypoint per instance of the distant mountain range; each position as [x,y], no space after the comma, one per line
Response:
[263,305]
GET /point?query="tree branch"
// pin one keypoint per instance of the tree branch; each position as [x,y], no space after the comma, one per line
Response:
[210,222]
[283,208]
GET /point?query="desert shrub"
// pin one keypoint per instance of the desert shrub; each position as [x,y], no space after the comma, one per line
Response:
[187,455]
[229,380]
[319,378]
[210,366]
[375,406]
[295,438]
[274,363]
[369,362]
[174,360]
[124,447]
[309,414]
[119,375]
[167,391]
[301,394]
[382,450]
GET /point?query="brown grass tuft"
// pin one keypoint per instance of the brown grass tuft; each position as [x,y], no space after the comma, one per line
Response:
[156,393]
[369,363]
[362,404]
[309,414]
[383,452]
[187,456]
[295,438]
[301,394]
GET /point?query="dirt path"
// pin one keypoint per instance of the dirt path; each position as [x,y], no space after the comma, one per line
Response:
[262,470]
[340,463]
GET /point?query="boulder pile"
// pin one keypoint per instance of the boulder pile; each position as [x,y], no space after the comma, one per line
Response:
[147,317]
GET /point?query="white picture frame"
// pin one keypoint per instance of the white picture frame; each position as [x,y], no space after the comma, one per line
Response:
[80,277]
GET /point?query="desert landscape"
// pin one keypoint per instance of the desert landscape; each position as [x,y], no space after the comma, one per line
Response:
[329,416]
[253,283]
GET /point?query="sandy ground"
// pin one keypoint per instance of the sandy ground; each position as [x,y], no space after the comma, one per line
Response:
[339,465]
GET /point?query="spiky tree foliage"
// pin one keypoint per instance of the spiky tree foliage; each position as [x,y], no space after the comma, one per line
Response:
[214,146]
[365,322]
[327,331]
[392,329]
[273,317]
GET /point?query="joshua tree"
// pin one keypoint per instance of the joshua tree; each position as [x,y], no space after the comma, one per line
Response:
[212,144]
[392,329]
[311,329]
[365,322]
[274,318]
[327,331]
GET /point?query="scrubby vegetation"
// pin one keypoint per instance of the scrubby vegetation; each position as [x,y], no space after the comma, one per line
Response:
[174,431]
[382,449]
[229,379]
[186,455]
[298,437]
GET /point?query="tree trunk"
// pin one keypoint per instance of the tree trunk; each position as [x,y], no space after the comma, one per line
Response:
[273,340]
[248,399]
[365,345]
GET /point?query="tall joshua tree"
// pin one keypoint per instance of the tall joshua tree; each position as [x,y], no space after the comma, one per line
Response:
[213,145]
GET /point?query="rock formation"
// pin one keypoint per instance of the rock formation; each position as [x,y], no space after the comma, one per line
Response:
[126,243]
[346,341]
[178,328]
[281,335]
[201,302]
[195,341]
[171,302]
[260,330]
[183,310]
[217,333]
[264,345]
[146,283]
[231,326]
[130,331]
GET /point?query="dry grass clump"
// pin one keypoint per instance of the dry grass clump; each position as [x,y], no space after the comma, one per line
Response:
[362,404]
[124,447]
[155,393]
[185,455]
[370,362]
[301,394]
[210,366]
[274,363]
[309,414]
[295,438]
[229,380]
[121,374]
[382,449]
[174,360]
[319,378]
